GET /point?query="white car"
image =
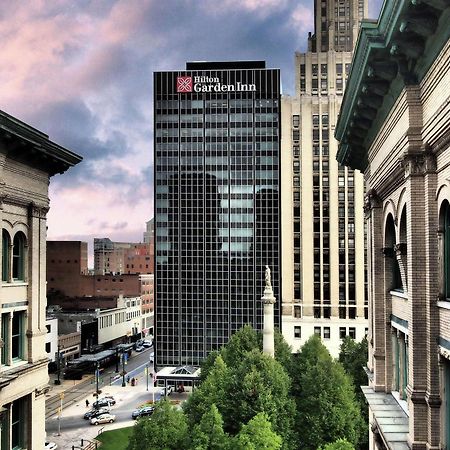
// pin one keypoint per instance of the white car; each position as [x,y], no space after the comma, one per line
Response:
[147,344]
[50,446]
[104,418]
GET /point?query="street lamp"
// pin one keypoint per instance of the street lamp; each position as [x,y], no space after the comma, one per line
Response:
[96,378]
[124,355]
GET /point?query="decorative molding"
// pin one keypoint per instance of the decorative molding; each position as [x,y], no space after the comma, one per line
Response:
[419,164]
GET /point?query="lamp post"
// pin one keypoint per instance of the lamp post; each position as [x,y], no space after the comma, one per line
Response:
[58,361]
[117,359]
[96,378]
[124,354]
[146,373]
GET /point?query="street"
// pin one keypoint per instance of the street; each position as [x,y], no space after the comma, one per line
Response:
[71,427]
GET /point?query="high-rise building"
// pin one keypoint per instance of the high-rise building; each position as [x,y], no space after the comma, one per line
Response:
[322,202]
[216,202]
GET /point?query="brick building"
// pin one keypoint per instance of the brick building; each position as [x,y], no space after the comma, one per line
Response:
[122,257]
[394,127]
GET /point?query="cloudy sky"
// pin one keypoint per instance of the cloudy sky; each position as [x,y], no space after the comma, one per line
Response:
[81,71]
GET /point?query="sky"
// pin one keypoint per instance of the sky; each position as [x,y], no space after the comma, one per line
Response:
[81,72]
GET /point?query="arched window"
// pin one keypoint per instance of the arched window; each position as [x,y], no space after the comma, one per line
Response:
[446,247]
[18,272]
[389,251]
[6,244]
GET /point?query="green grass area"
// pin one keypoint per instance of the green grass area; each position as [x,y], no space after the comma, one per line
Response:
[115,439]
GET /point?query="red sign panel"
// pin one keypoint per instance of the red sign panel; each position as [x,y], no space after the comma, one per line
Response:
[184,84]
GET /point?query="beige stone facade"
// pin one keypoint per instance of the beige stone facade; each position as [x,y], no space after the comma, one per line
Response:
[394,126]
[323,282]
[27,160]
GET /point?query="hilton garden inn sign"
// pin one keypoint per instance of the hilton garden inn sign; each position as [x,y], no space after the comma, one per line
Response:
[210,84]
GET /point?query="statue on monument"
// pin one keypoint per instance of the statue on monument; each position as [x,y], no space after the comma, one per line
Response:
[268,281]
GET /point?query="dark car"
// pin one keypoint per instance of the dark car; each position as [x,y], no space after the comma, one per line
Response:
[104,402]
[142,412]
[95,412]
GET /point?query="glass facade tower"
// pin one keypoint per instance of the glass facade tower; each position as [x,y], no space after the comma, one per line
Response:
[217,150]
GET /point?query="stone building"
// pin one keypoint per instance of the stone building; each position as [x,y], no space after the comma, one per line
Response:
[323,280]
[27,161]
[394,127]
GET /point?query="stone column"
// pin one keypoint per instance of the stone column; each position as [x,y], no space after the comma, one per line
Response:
[268,330]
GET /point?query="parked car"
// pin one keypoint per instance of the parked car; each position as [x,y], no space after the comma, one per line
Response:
[142,412]
[95,413]
[169,390]
[50,446]
[147,344]
[104,402]
[104,418]
[139,349]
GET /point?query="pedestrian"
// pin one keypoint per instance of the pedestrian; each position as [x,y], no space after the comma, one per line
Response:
[128,379]
[87,403]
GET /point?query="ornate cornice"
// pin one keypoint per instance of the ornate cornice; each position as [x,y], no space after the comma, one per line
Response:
[392,54]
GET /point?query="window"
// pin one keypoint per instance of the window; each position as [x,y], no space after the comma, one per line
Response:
[342,332]
[295,121]
[19,256]
[6,249]
[446,246]
[352,332]
[297,311]
[48,347]
[317,331]
[18,417]
[326,332]
[17,344]
[297,332]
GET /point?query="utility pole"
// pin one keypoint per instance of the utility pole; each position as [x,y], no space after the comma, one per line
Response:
[61,398]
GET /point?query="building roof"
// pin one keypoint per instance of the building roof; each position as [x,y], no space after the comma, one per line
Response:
[225,65]
[28,145]
[390,54]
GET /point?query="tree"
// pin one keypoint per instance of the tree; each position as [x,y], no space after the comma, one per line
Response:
[340,444]
[209,434]
[283,351]
[207,364]
[244,340]
[353,356]
[326,405]
[214,390]
[256,383]
[257,434]
[165,429]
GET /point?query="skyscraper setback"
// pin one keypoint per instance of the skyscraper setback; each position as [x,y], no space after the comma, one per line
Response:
[217,203]
[322,202]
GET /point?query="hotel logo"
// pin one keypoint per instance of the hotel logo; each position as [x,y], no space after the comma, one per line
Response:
[184,84]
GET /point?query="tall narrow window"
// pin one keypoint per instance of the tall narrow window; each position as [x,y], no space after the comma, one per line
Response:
[19,256]
[5,338]
[447,250]
[17,343]
[6,243]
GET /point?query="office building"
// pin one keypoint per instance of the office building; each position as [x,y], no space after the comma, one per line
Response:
[216,203]
[28,160]
[322,201]
[394,127]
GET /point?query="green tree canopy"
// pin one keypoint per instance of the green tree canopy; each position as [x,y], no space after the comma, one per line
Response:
[209,434]
[353,356]
[257,434]
[326,405]
[165,429]
[340,444]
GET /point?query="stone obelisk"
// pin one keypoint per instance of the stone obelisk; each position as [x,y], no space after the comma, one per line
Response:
[269,300]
